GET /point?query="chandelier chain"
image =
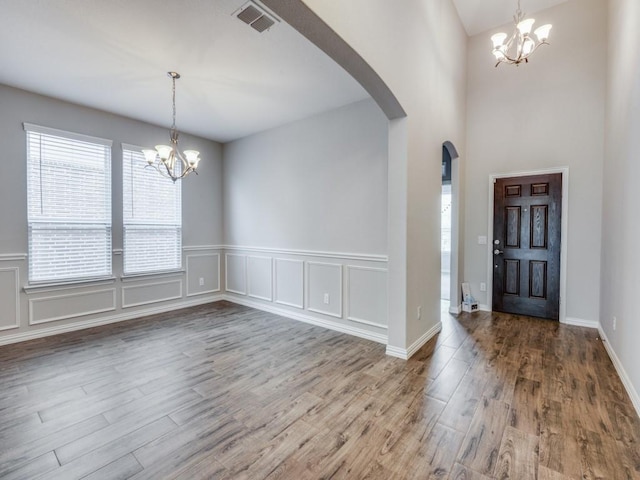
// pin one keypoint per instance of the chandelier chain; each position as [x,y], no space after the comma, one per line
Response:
[173,125]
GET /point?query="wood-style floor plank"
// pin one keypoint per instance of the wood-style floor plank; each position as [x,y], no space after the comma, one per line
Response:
[481,445]
[121,469]
[518,456]
[222,391]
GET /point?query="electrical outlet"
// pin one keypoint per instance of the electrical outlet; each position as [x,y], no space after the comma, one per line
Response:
[483,287]
[201,281]
[615,322]
[326,299]
[419,314]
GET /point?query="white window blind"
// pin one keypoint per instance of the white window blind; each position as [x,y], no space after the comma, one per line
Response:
[69,205]
[152,216]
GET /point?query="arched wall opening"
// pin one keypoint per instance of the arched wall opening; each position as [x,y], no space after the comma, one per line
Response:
[297,14]
[451,215]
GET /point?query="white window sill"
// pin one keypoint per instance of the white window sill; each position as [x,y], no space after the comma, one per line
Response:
[50,286]
[142,276]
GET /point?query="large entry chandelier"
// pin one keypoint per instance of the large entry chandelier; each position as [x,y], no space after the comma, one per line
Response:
[167,159]
[519,47]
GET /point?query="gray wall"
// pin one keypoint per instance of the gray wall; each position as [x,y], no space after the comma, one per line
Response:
[305,216]
[620,225]
[317,184]
[545,114]
[24,314]
[419,52]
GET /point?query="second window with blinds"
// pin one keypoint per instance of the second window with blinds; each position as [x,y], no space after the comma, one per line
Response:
[152,217]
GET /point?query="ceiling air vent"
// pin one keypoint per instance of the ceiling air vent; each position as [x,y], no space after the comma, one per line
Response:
[256,17]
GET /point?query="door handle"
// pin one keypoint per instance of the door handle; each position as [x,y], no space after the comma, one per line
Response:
[498,252]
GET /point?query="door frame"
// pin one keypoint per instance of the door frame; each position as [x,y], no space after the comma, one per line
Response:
[564,228]
[455,300]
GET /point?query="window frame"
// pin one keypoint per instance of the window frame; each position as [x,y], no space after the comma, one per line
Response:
[132,156]
[55,221]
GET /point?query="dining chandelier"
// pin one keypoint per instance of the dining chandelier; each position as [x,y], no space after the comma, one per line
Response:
[167,159]
[519,47]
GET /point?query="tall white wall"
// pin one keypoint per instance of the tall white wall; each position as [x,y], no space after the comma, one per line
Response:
[305,220]
[49,310]
[418,48]
[621,226]
[548,113]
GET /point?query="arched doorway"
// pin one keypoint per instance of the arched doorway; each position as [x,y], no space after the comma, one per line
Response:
[450,290]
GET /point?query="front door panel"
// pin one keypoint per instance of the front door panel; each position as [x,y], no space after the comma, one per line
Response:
[526,248]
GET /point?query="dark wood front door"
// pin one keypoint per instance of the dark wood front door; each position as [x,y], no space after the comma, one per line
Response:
[526,245]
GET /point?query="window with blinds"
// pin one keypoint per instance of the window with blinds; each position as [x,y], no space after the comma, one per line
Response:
[68,205]
[152,217]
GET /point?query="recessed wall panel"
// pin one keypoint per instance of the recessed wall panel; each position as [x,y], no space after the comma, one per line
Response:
[325,288]
[367,295]
[259,277]
[289,283]
[151,292]
[71,305]
[203,273]
[236,273]
[9,298]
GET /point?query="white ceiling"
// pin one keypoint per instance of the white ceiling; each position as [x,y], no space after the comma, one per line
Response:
[113,55]
[481,15]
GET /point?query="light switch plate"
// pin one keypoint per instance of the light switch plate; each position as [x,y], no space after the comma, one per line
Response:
[482,239]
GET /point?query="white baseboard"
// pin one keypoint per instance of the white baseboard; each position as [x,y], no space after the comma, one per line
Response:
[622,373]
[397,352]
[484,308]
[329,324]
[455,310]
[72,327]
[579,322]
[406,354]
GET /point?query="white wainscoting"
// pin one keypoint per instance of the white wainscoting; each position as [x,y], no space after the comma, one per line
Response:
[203,273]
[344,292]
[9,298]
[324,288]
[35,311]
[260,277]
[71,305]
[83,323]
[289,281]
[350,329]
[151,292]
[362,307]
[235,273]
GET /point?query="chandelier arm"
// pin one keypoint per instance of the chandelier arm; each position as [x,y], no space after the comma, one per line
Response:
[186,168]
[165,170]
[507,47]
[157,169]
[538,45]
[171,175]
[524,58]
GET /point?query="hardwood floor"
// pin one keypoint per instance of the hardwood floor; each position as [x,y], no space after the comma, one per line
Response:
[224,391]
